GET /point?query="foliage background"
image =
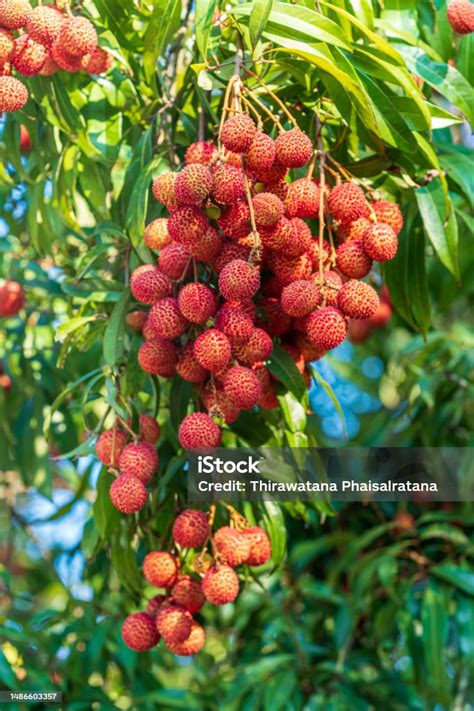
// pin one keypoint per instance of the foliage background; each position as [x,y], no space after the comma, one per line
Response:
[357,612]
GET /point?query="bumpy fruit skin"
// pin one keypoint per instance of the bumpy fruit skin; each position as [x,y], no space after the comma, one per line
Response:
[7,46]
[173,623]
[109,446]
[208,246]
[347,203]
[212,350]
[193,184]
[239,280]
[275,321]
[158,357]
[260,546]
[380,242]
[14,14]
[288,270]
[268,209]
[163,190]
[235,221]
[354,230]
[98,62]
[238,133]
[302,198]
[149,284]
[218,404]
[156,235]
[234,323]
[49,67]
[29,56]
[220,585]
[12,298]
[188,367]
[78,36]
[13,94]
[191,528]
[326,328]
[293,148]
[357,299]
[188,594]
[352,259]
[270,176]
[192,645]
[199,431]
[261,154]
[257,349]
[166,320]
[329,290]
[229,184]
[242,387]
[139,632]
[149,429]
[186,224]
[154,604]
[197,302]
[128,494]
[65,61]
[389,213]
[160,569]
[232,545]
[139,459]
[173,260]
[461,16]
[200,152]
[300,298]
[44,24]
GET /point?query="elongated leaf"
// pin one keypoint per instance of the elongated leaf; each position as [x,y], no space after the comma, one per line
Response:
[180,393]
[114,337]
[106,516]
[434,620]
[274,524]
[293,412]
[461,578]
[258,19]
[435,209]
[325,385]
[283,367]
[124,560]
[205,10]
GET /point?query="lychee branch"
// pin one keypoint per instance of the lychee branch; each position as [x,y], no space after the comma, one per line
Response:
[273,95]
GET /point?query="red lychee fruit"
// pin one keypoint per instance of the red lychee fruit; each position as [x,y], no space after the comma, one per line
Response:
[193,184]
[174,260]
[188,594]
[218,404]
[279,189]
[232,545]
[302,199]
[239,280]
[156,235]
[382,316]
[220,585]
[200,152]
[315,253]
[212,350]
[288,270]
[359,330]
[26,143]
[192,645]
[163,190]
[332,283]
[98,62]
[154,604]
[161,569]
[187,224]
[261,154]
[188,367]
[293,148]
[140,459]
[199,431]
[229,184]
[308,352]
[12,297]
[128,493]
[191,528]
[238,133]
[14,14]
[347,202]
[7,46]
[197,302]
[257,349]
[242,387]
[260,546]
[166,320]
[354,230]
[139,632]
[49,67]
[300,298]
[235,221]
[173,623]
[270,176]
[280,236]
[109,446]
[44,24]
[380,242]
[268,209]
[158,357]
[149,284]
[352,259]
[149,429]
[13,94]
[229,253]
[461,16]
[63,59]
[234,322]
[357,299]
[78,36]
[208,246]
[326,328]
[389,213]
[275,321]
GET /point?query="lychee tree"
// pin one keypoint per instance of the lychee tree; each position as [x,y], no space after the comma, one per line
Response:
[201,201]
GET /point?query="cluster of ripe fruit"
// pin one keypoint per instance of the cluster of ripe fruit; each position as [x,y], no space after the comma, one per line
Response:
[169,616]
[43,40]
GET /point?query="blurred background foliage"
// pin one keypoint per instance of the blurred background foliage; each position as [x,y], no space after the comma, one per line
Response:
[364,607]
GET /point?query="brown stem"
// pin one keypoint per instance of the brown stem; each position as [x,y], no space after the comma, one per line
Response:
[273,95]
[262,106]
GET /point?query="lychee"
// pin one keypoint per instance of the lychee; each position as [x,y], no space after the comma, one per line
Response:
[163,190]
[13,94]
[154,604]
[192,645]
[389,213]
[229,184]
[220,585]
[461,16]
[197,302]
[161,569]
[347,202]
[352,259]
[293,148]
[242,387]
[200,152]
[288,270]
[26,144]
[354,230]
[188,594]
[300,297]
[14,14]
[232,546]
[49,67]
[128,493]
[174,260]
[257,348]
[199,431]
[382,316]
[260,546]
[7,46]
[139,459]
[166,320]
[98,62]
[63,59]
[158,357]
[44,24]
[12,297]
[239,280]
[268,209]
[212,350]
[302,199]
[173,623]
[191,528]
[318,254]
[149,429]
[357,299]
[193,184]
[261,154]
[156,235]
[380,242]
[332,283]
[149,284]
[186,224]
[109,446]
[208,246]
[238,133]
[326,328]
[78,35]
[234,322]
[269,176]
[230,252]
[139,632]
[218,404]
[235,221]
[274,320]
[188,367]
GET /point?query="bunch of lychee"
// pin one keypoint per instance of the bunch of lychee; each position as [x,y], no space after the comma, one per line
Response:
[242,265]
[43,40]
[211,578]
[461,16]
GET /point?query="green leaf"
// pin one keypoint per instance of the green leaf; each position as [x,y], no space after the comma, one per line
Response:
[445,532]
[205,10]
[293,412]
[137,203]
[124,561]
[439,223]
[114,338]
[180,393]
[106,516]
[73,324]
[283,367]
[460,578]
[274,524]
[325,385]
[434,620]
[162,25]
[258,19]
